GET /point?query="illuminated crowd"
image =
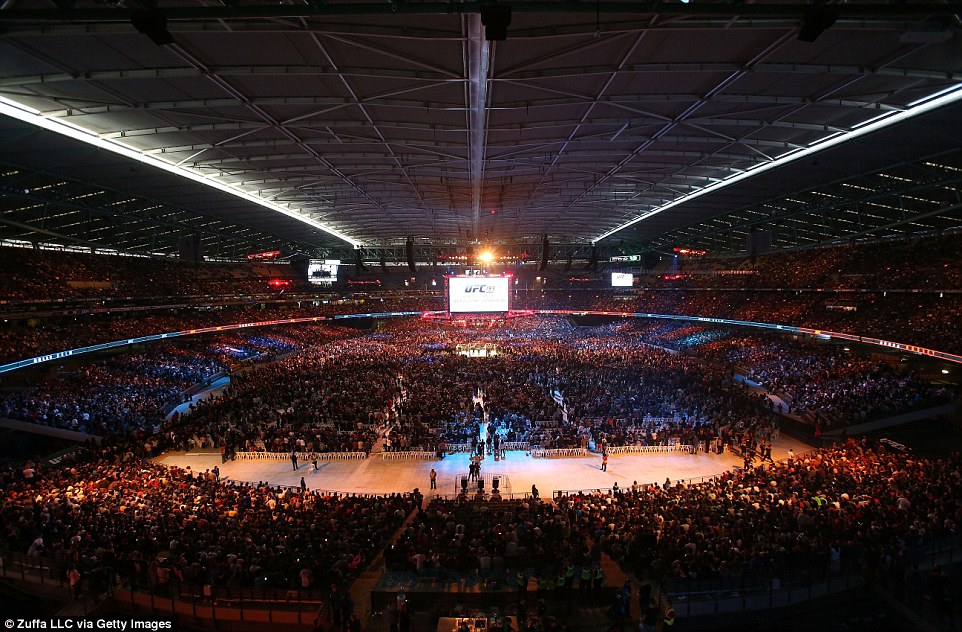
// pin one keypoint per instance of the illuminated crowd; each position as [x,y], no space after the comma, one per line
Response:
[545,382]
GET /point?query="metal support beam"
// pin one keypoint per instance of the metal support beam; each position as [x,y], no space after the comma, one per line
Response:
[634,9]
[478,52]
[425,254]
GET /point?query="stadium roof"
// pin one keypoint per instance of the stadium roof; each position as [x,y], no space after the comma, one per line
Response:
[326,123]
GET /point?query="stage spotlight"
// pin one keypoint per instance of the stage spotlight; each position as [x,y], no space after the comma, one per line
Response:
[480,484]
[496,482]
[464,483]
[817,20]
[486,256]
[496,19]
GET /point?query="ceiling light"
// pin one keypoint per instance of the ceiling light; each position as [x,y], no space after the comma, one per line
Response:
[934,101]
[65,128]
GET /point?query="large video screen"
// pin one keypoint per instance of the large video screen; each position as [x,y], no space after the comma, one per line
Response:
[322,271]
[478,294]
[622,279]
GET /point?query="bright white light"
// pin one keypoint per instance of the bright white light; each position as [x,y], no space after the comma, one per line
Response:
[926,104]
[881,116]
[66,128]
[935,95]
[486,256]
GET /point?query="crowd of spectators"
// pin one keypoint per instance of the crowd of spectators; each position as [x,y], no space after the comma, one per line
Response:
[463,537]
[930,263]
[926,320]
[332,397]
[117,517]
[864,289]
[40,275]
[827,385]
[120,396]
[830,512]
[416,382]
[339,392]
[34,337]
[131,393]
[552,386]
[113,513]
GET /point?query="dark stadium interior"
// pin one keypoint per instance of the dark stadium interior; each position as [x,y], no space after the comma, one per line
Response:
[525,316]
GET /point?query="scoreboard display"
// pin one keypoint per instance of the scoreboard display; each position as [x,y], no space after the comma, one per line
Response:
[479,294]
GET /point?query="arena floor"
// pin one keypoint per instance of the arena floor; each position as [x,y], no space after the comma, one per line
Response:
[377,476]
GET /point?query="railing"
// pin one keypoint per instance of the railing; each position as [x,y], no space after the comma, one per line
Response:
[767,589]
[50,578]
[691,598]
[187,394]
[659,420]
[648,449]
[297,489]
[554,453]
[464,482]
[454,448]
[472,495]
[514,446]
[302,457]
[558,493]
[409,454]
[226,604]
[561,493]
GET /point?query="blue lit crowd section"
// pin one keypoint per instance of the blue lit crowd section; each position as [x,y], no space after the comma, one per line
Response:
[819,333]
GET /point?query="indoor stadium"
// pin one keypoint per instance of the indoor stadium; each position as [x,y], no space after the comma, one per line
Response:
[520,315]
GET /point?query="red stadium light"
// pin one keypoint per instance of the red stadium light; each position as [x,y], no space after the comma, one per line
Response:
[278,283]
[262,256]
[690,252]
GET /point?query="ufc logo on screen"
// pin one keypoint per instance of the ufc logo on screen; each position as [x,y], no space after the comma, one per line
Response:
[478,289]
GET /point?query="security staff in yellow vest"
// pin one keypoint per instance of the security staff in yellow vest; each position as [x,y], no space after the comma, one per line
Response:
[669,619]
[521,582]
[598,577]
[585,577]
